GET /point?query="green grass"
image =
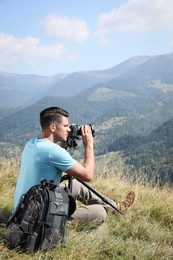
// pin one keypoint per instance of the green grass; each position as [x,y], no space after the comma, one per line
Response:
[144,232]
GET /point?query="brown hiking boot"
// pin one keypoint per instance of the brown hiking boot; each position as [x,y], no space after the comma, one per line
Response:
[125,204]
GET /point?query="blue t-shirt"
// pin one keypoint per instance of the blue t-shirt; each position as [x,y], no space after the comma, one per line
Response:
[41,159]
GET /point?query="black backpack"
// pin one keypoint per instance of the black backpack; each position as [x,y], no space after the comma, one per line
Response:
[39,221]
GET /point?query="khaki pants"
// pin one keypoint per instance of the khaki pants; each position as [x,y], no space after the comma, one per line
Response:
[93,208]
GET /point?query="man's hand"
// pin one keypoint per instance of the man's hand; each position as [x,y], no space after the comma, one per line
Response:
[85,171]
[87,136]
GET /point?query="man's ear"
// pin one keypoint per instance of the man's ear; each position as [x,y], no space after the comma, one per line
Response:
[52,127]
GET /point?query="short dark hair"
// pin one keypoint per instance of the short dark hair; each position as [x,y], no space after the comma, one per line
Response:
[52,114]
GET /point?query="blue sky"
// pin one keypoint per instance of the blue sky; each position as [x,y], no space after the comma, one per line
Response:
[47,37]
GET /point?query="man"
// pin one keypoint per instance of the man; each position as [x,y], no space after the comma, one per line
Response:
[44,158]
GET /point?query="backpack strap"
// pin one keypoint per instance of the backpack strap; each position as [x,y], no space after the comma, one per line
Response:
[72,202]
[49,183]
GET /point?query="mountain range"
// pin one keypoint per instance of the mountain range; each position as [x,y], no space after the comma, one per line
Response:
[132,98]
[17,90]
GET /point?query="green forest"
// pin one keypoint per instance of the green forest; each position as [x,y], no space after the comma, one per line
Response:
[149,154]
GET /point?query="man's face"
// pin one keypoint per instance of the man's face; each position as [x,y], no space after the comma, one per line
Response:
[62,130]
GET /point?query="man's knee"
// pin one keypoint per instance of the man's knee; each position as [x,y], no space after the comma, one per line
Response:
[76,188]
[90,213]
[102,214]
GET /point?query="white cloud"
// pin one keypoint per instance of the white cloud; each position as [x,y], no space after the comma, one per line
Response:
[137,16]
[170,42]
[28,49]
[104,40]
[65,28]
[32,52]
[73,57]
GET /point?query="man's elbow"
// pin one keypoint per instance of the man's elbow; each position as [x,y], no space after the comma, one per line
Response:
[88,178]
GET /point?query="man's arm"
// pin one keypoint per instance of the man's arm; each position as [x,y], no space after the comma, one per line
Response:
[85,171]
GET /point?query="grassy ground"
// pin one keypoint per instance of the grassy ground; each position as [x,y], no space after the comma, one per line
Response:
[145,232]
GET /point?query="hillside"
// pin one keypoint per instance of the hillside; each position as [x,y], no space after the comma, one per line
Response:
[79,81]
[147,155]
[151,153]
[146,75]
[144,232]
[19,90]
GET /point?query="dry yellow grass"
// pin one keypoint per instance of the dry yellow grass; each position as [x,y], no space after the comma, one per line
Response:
[145,232]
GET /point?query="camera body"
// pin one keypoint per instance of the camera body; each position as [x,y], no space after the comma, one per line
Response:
[76,133]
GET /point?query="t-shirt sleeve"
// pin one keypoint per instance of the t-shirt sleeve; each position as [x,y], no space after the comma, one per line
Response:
[61,159]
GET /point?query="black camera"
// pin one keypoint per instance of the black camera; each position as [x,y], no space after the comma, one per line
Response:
[76,133]
[76,130]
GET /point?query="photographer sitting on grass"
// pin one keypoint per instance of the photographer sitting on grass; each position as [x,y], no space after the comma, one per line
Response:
[43,158]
